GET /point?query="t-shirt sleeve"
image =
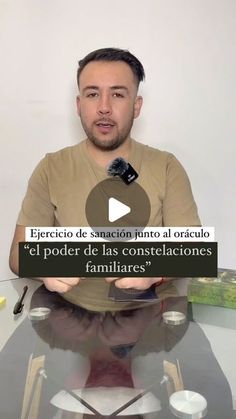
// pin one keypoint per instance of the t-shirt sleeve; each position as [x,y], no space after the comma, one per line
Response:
[179,207]
[37,208]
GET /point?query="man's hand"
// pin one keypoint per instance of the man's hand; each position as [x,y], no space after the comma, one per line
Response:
[137,283]
[60,285]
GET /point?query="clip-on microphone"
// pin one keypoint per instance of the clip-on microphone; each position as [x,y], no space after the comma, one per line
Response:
[123,169]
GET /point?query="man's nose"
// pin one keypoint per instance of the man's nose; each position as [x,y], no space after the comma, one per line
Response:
[104,105]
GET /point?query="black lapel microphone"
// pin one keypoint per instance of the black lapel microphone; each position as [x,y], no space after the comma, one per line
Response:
[123,169]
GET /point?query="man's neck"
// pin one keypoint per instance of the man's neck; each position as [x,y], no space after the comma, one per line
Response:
[103,158]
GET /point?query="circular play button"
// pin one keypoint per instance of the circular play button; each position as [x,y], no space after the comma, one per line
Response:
[112,203]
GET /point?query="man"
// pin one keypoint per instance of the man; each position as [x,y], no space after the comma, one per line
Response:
[108,81]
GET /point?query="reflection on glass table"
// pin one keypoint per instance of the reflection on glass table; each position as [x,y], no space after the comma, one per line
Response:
[69,363]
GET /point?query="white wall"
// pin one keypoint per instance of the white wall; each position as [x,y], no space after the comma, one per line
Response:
[188,50]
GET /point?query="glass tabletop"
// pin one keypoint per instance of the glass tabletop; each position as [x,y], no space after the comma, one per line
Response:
[62,361]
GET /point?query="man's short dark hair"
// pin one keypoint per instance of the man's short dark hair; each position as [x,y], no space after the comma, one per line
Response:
[113,54]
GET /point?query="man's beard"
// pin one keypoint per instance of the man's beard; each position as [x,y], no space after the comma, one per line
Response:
[107,145]
[113,143]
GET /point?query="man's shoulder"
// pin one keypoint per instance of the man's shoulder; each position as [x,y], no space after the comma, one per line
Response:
[66,152]
[65,158]
[152,153]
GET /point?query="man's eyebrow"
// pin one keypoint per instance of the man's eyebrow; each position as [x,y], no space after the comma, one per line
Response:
[119,88]
[92,87]
[116,87]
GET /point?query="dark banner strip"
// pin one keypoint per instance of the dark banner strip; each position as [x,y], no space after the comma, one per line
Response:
[91,259]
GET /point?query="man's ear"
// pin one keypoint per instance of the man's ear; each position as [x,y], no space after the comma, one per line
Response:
[78,104]
[137,106]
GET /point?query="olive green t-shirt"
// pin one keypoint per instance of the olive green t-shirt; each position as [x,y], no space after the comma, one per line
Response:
[61,182]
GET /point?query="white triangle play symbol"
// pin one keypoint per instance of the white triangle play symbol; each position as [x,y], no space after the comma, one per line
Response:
[116,209]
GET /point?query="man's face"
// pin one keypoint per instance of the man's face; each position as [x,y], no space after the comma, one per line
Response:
[108,103]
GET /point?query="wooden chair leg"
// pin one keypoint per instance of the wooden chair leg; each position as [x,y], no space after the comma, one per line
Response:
[31,401]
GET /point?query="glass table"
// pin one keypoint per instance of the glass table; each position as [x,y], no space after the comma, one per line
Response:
[166,360]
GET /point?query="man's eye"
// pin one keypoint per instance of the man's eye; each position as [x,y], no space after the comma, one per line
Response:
[120,95]
[94,94]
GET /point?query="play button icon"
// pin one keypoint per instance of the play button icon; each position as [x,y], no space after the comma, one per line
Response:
[112,203]
[117,210]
